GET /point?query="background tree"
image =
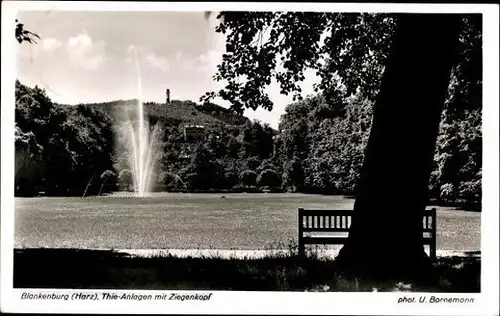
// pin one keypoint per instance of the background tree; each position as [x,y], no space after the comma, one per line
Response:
[125,179]
[204,171]
[351,58]
[230,179]
[105,176]
[327,144]
[248,178]
[28,163]
[269,178]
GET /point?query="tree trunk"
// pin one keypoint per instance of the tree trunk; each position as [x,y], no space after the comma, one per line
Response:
[385,243]
[102,186]
[88,184]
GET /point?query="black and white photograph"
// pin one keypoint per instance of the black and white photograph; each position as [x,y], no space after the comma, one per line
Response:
[209,158]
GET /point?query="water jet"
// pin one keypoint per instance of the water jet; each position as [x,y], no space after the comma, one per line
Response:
[140,140]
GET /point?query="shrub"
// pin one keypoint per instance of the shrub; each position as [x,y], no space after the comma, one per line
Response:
[248,178]
[253,163]
[269,178]
[230,179]
[447,191]
[125,179]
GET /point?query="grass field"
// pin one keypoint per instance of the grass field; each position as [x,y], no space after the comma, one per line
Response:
[196,221]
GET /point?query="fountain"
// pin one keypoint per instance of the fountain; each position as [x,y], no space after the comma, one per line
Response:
[140,141]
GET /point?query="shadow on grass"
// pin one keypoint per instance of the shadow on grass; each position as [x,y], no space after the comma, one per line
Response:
[96,269]
[463,205]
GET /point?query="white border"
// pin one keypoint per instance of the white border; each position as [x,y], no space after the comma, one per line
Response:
[241,6]
[486,303]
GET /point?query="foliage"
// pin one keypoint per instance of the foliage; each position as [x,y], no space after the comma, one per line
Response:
[323,153]
[107,177]
[24,35]
[248,178]
[61,149]
[28,163]
[204,171]
[73,142]
[269,178]
[320,146]
[107,174]
[347,50]
[125,178]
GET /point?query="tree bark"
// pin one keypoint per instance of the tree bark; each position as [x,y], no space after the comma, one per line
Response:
[385,243]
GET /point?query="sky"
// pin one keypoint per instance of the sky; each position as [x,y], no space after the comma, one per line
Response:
[87,57]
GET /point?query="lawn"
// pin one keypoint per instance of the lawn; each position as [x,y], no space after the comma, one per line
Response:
[194,221]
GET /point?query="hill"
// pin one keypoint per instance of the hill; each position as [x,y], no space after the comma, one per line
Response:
[176,112]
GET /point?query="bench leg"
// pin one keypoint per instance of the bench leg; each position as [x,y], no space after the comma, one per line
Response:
[301,248]
[432,251]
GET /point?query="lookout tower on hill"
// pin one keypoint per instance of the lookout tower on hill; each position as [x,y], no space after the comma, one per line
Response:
[167,96]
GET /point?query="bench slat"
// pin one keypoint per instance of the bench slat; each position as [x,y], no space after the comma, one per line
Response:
[327,240]
[326,229]
[341,229]
[325,212]
[324,240]
[342,212]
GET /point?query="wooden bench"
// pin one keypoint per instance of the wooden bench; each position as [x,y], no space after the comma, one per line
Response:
[339,221]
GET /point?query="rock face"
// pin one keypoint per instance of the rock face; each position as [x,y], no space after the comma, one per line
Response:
[168,96]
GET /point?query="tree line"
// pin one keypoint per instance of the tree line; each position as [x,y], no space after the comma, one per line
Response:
[319,148]
[76,150]
[60,150]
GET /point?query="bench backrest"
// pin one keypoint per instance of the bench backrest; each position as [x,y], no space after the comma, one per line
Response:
[325,220]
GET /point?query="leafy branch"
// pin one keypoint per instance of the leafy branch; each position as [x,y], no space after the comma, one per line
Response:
[23,35]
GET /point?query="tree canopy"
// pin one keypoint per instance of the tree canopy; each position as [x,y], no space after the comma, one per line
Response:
[347,51]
